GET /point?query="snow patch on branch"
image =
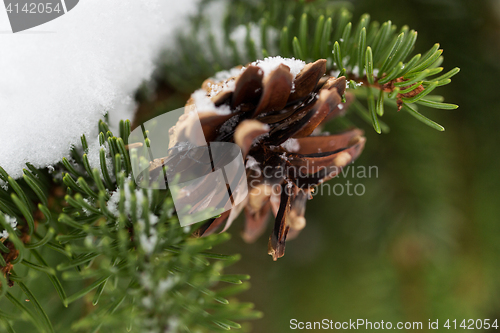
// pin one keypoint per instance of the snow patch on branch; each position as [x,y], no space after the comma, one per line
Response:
[60,78]
[13,223]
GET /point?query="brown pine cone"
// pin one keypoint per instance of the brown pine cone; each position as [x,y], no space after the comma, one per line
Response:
[274,110]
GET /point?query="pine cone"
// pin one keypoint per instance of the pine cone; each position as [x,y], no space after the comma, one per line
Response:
[274,110]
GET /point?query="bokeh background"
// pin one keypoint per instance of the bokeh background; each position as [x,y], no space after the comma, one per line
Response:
[424,241]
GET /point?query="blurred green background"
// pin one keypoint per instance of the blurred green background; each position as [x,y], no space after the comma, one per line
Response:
[424,241]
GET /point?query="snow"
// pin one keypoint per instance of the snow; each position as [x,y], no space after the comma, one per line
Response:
[292,145]
[270,64]
[87,212]
[60,78]
[225,75]
[114,200]
[167,284]
[202,99]
[203,103]
[94,156]
[148,243]
[252,163]
[284,157]
[13,223]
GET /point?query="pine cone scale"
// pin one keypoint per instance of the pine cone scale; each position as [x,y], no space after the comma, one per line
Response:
[248,87]
[308,79]
[277,87]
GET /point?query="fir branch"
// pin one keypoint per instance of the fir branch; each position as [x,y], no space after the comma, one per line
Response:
[120,240]
[374,55]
